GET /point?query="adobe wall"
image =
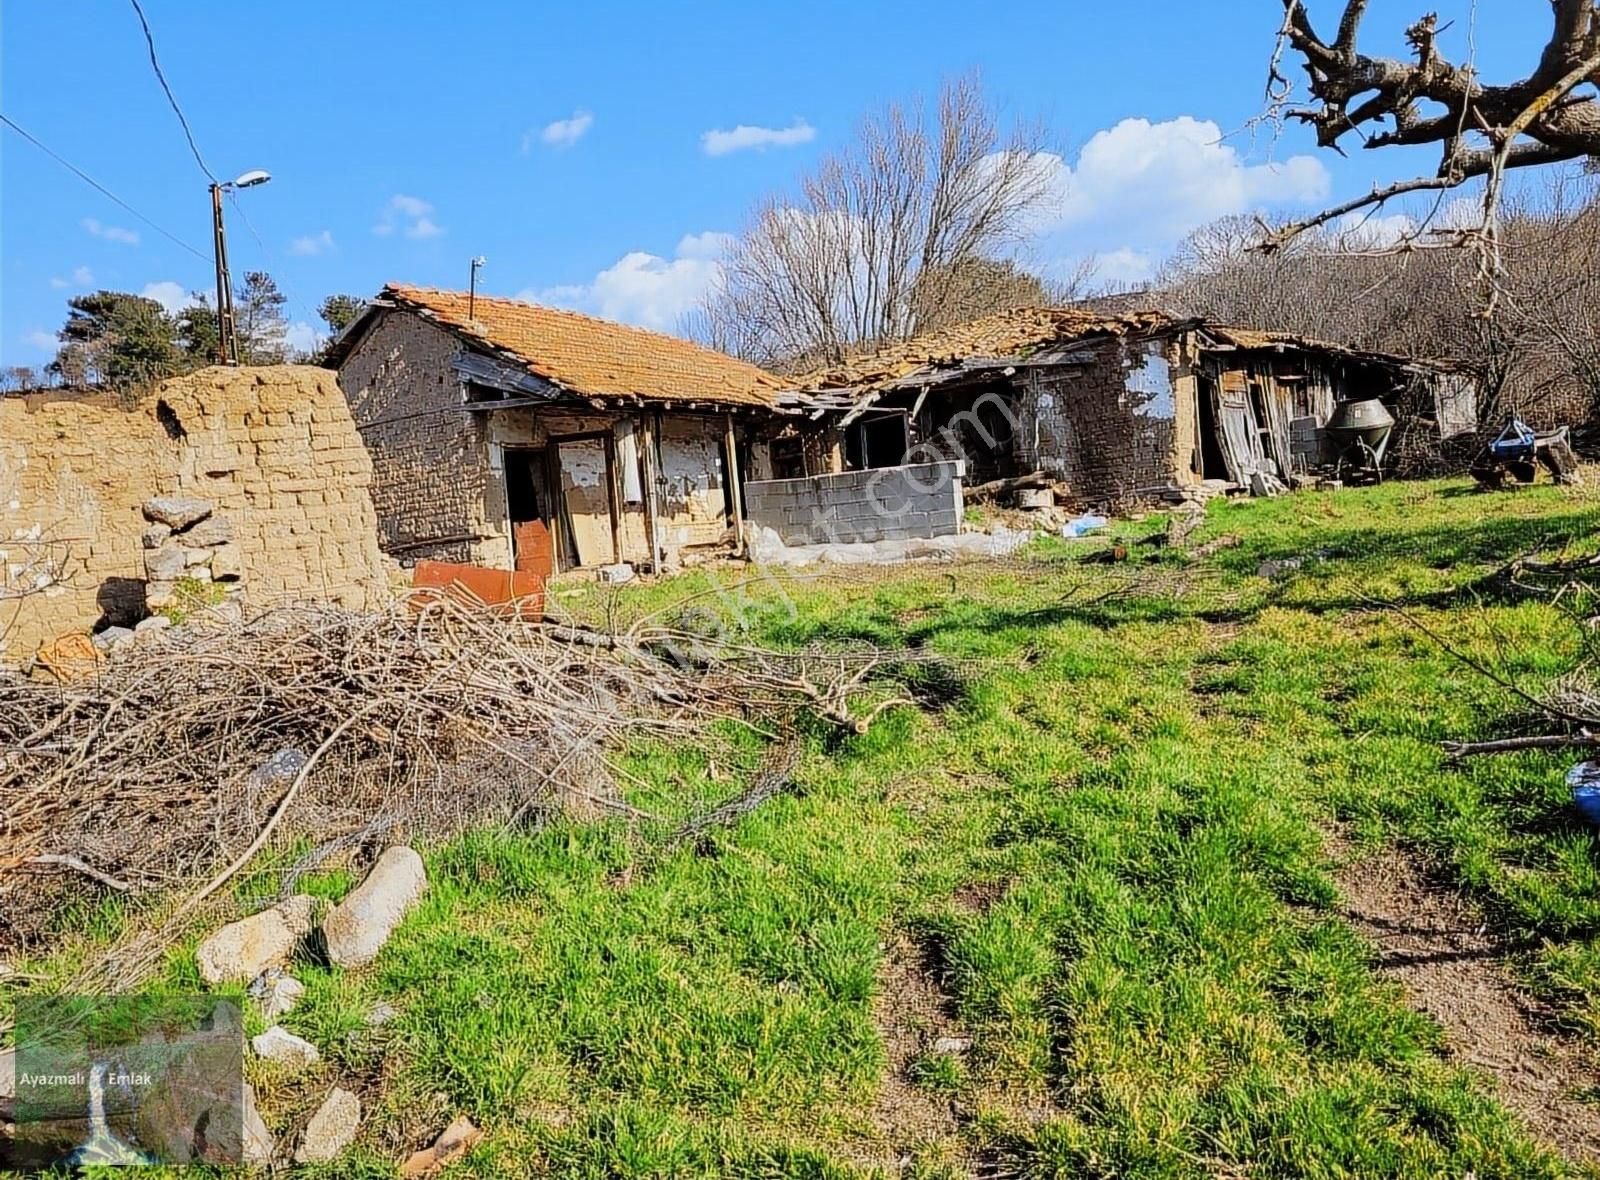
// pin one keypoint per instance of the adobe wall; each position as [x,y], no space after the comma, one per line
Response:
[273,447]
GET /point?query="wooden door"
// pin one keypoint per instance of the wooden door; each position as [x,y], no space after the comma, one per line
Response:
[586,493]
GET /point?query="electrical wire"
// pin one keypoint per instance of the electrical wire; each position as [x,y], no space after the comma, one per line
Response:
[102,189]
[155,64]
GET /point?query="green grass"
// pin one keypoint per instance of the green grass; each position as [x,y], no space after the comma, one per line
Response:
[1108,850]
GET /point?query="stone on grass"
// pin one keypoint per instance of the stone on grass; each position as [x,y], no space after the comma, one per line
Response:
[381,1014]
[8,1080]
[281,1047]
[454,1142]
[358,927]
[332,1129]
[281,998]
[244,949]
[177,512]
[257,1140]
[951,1045]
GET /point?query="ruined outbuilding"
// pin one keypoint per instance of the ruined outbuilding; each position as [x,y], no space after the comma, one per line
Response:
[271,450]
[510,435]
[1123,407]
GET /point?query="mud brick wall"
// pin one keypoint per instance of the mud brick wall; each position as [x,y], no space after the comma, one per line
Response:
[430,461]
[1115,422]
[273,448]
[880,504]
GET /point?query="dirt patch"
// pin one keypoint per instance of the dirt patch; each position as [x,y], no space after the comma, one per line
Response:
[912,1012]
[1435,944]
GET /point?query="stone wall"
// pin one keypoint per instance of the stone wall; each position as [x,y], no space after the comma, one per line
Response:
[879,504]
[273,448]
[1115,421]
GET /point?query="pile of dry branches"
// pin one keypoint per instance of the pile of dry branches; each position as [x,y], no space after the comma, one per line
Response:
[188,756]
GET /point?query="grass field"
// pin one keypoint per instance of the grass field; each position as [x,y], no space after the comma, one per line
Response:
[1103,863]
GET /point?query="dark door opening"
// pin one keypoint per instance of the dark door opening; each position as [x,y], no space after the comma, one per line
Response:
[528,506]
[1209,460]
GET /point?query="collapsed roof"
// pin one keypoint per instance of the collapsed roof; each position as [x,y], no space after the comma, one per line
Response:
[1013,337]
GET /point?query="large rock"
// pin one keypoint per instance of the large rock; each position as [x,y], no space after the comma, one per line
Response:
[165,564]
[242,950]
[212,531]
[177,512]
[332,1129]
[357,927]
[258,1147]
[281,1047]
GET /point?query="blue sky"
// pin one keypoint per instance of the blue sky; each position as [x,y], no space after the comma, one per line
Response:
[569,143]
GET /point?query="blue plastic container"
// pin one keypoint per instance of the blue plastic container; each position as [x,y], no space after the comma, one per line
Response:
[1584,779]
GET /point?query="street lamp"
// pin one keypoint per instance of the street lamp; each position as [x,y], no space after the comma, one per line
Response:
[227,337]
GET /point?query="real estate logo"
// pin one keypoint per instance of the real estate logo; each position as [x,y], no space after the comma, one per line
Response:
[127,1081]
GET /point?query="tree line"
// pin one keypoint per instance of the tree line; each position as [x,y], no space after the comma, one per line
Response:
[120,340]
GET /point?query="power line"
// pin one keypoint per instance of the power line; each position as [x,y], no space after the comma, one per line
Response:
[155,64]
[102,189]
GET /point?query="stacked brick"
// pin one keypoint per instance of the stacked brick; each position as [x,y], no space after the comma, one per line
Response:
[272,449]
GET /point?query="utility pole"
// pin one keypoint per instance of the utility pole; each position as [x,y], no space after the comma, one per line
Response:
[472,287]
[227,335]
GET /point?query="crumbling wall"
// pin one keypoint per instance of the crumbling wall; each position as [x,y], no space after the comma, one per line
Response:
[273,448]
[879,504]
[430,460]
[1112,420]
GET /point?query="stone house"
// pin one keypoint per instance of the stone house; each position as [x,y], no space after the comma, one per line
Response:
[1122,407]
[515,436]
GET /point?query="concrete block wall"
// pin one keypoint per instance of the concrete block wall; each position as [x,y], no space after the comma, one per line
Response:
[880,504]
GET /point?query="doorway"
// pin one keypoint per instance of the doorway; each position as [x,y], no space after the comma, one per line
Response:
[587,500]
[529,509]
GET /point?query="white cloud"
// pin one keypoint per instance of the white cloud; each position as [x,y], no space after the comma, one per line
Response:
[747,138]
[111,233]
[312,244]
[304,337]
[412,216]
[1124,266]
[81,276]
[562,133]
[172,296]
[43,341]
[1137,188]
[646,289]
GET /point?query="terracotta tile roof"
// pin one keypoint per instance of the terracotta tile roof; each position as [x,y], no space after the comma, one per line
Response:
[589,356]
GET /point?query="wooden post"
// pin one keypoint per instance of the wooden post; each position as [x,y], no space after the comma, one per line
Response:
[613,492]
[735,489]
[647,472]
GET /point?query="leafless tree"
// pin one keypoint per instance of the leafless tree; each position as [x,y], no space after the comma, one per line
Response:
[885,236]
[1481,130]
